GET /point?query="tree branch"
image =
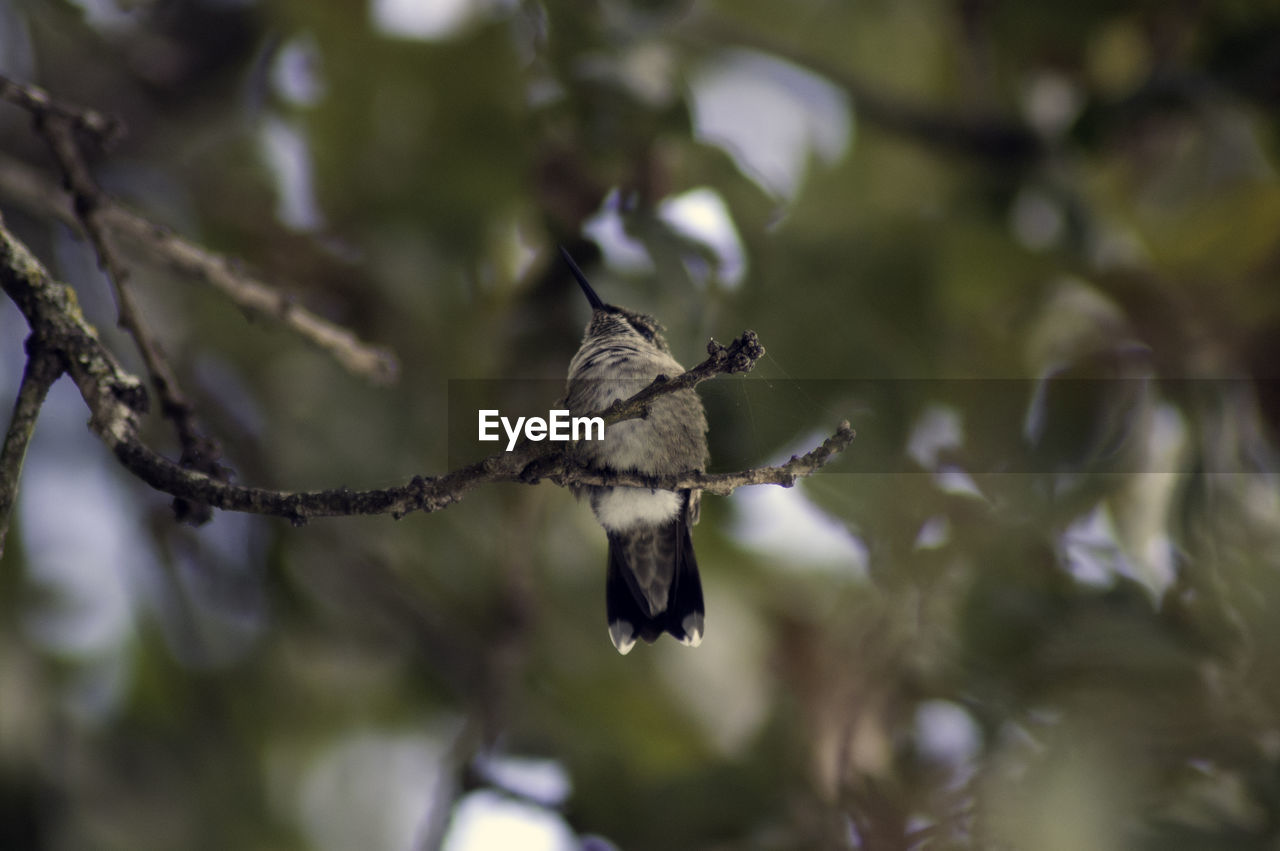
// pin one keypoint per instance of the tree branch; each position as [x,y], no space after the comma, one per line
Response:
[740,356]
[62,128]
[116,398]
[43,368]
[105,129]
[37,194]
[721,484]
[199,451]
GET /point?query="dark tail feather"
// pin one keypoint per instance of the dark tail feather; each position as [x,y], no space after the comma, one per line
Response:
[629,617]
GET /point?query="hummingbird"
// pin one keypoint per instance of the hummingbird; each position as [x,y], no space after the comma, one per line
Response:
[651,584]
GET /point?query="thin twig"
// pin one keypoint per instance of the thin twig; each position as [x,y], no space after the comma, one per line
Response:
[115,399]
[43,368]
[61,126]
[199,451]
[722,484]
[738,357]
[105,129]
[34,192]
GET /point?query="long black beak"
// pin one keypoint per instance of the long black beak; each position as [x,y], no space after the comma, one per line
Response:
[596,303]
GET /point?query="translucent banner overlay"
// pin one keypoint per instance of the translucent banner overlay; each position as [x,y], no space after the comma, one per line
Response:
[979,426]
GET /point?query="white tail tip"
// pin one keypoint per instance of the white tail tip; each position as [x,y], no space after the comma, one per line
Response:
[692,626]
[623,636]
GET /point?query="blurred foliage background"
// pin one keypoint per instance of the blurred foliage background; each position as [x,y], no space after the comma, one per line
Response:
[1029,250]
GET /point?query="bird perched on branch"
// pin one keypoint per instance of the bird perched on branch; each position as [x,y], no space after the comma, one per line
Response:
[652,584]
